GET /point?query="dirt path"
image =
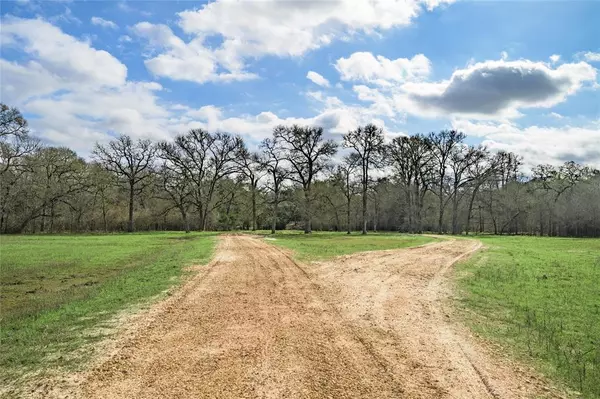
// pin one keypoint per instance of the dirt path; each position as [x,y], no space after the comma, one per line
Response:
[254,324]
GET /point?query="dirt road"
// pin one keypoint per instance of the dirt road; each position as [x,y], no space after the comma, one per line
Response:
[254,324]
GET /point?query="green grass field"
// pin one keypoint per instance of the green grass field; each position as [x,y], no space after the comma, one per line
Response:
[539,297]
[56,289]
[327,245]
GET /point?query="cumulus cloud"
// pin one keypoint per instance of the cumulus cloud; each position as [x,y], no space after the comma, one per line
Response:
[207,113]
[364,66]
[79,118]
[498,87]
[490,90]
[77,93]
[183,61]
[539,144]
[252,29]
[554,58]
[63,58]
[80,95]
[317,79]
[103,23]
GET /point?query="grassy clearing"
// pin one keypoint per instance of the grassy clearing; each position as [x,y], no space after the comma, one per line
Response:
[540,297]
[56,289]
[327,245]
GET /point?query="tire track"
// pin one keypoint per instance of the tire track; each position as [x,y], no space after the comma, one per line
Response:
[257,324]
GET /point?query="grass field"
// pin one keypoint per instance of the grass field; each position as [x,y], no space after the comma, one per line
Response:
[540,297]
[327,245]
[55,288]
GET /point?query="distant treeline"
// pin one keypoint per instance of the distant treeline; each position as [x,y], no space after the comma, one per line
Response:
[296,179]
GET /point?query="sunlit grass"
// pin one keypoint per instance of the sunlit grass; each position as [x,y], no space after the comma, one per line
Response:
[540,297]
[56,288]
[327,245]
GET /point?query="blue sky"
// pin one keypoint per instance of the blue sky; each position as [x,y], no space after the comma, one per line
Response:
[514,75]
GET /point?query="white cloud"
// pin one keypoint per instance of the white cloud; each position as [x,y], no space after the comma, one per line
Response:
[504,55]
[76,105]
[78,93]
[554,58]
[364,66]
[103,23]
[490,90]
[501,87]
[249,30]
[23,81]
[538,144]
[556,115]
[183,61]
[592,57]
[334,116]
[208,113]
[317,79]
[60,56]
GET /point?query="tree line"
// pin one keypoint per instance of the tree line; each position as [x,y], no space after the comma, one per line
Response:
[297,178]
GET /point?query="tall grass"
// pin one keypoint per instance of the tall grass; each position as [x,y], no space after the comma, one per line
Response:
[541,297]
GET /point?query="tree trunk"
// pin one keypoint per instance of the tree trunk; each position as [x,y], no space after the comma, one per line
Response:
[364,202]
[43,221]
[470,211]
[481,224]
[455,212]
[409,201]
[275,206]
[4,218]
[441,214]
[348,214]
[104,222]
[205,219]
[3,223]
[200,210]
[253,206]
[186,223]
[307,211]
[52,218]
[130,224]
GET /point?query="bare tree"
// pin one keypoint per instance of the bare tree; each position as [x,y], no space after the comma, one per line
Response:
[412,162]
[367,143]
[461,163]
[129,160]
[176,184]
[308,154]
[12,123]
[15,145]
[480,171]
[443,144]
[343,178]
[206,159]
[102,184]
[250,166]
[273,163]
[56,174]
[554,182]
[51,189]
